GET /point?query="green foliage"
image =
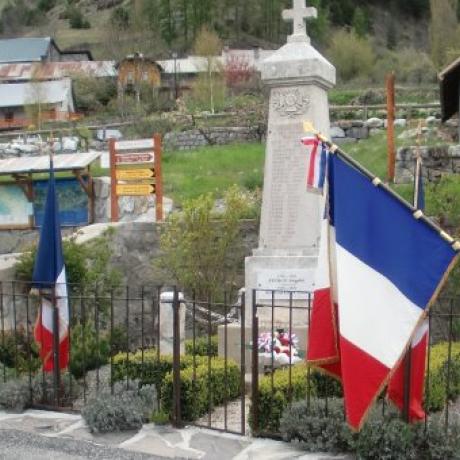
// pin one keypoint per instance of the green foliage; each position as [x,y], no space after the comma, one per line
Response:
[202,346]
[93,94]
[319,428]
[442,201]
[120,18]
[360,22]
[160,418]
[77,19]
[15,395]
[200,252]
[273,403]
[353,56]
[221,384]
[19,352]
[383,437]
[46,5]
[88,351]
[436,394]
[146,367]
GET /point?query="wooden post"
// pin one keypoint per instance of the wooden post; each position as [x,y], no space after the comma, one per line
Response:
[390,86]
[158,178]
[113,183]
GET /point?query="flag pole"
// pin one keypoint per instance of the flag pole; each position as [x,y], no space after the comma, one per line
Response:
[408,356]
[56,366]
[418,214]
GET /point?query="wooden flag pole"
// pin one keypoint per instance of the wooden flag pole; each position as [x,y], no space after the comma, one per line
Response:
[418,214]
[390,84]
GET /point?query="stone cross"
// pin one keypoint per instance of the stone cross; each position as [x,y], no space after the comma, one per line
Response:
[297,15]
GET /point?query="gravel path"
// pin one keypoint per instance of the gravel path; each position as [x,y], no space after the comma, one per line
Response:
[14,445]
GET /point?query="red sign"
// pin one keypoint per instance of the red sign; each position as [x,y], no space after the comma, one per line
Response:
[134,158]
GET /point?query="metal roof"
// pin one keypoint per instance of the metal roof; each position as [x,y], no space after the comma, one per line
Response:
[449,82]
[56,70]
[24,49]
[62,162]
[47,92]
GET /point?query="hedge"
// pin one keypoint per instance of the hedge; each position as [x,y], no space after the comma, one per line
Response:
[219,385]
[149,369]
[436,395]
[273,403]
[202,346]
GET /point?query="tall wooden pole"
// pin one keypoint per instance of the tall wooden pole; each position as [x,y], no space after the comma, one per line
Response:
[390,86]
[158,178]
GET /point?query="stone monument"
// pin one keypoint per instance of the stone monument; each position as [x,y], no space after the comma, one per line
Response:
[299,79]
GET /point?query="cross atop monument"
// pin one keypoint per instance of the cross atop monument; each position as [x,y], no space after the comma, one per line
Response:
[297,15]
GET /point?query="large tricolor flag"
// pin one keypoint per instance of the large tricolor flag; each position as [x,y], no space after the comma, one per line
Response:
[409,377]
[49,278]
[386,268]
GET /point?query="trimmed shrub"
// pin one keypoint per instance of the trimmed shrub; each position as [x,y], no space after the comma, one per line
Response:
[87,351]
[206,388]
[108,413]
[19,351]
[273,403]
[436,395]
[202,346]
[125,410]
[315,427]
[15,395]
[150,370]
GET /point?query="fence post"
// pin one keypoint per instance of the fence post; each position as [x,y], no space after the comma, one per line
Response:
[390,84]
[177,419]
[255,366]
[56,367]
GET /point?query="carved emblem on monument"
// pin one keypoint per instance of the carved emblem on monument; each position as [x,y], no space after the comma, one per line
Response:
[290,102]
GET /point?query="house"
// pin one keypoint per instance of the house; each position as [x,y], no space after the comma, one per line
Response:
[42,49]
[135,72]
[50,100]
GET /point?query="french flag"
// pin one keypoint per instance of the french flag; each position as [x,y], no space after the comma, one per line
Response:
[316,163]
[49,278]
[389,267]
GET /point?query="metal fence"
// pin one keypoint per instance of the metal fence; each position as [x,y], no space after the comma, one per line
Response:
[210,353]
[282,311]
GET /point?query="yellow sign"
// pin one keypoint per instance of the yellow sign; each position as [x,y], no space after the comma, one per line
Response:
[135,189]
[134,174]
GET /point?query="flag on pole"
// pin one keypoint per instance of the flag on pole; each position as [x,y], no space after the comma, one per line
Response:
[49,278]
[316,163]
[417,353]
[389,267]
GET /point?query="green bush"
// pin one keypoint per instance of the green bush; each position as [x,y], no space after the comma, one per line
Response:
[77,20]
[436,395]
[196,394]
[273,403]
[19,351]
[87,350]
[149,370]
[316,428]
[15,395]
[125,409]
[202,346]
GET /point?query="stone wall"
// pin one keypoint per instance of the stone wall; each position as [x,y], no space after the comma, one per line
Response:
[188,140]
[437,161]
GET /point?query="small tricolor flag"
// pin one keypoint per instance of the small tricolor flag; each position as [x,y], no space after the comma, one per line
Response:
[384,270]
[49,278]
[316,163]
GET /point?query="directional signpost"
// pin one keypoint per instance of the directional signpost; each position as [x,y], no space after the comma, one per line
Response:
[136,171]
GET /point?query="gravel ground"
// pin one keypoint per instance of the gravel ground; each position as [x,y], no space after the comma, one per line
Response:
[16,445]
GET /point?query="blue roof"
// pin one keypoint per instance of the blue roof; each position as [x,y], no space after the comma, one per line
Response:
[24,49]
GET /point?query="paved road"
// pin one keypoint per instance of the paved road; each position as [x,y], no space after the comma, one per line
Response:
[18,445]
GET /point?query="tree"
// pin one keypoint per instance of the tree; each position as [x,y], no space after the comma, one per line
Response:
[443,30]
[360,22]
[209,46]
[201,253]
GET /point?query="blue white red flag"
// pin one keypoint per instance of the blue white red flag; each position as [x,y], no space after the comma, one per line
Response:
[316,163]
[49,278]
[388,267]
